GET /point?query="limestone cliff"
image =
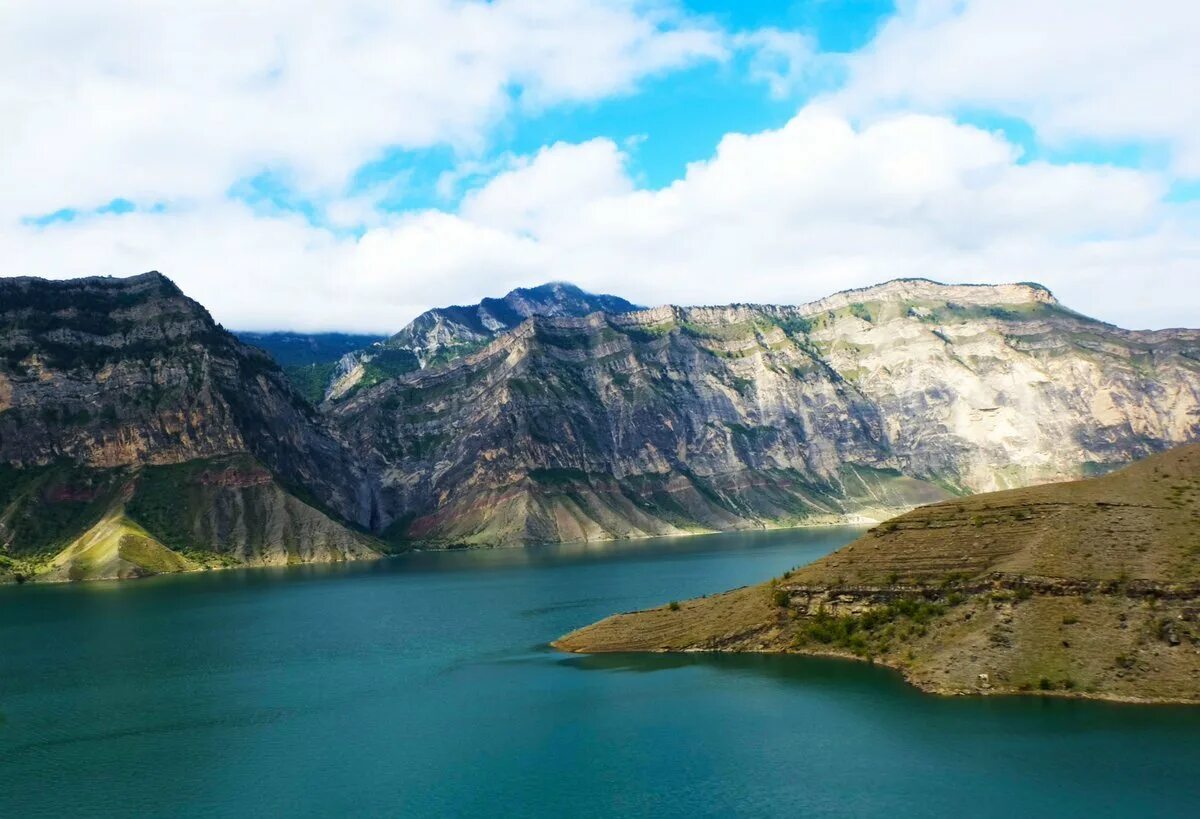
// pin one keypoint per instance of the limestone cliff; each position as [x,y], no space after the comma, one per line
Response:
[106,384]
[107,372]
[619,423]
[677,419]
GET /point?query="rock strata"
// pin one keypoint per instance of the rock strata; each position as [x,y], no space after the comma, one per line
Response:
[1086,588]
[672,420]
[102,379]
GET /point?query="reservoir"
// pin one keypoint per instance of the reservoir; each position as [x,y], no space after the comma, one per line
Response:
[423,686]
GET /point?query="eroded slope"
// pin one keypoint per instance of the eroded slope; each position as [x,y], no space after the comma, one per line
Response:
[1089,587]
[696,419]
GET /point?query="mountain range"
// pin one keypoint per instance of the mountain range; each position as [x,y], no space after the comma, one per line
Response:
[682,419]
[548,415]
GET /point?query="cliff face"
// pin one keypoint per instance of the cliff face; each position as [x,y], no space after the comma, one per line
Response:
[115,372]
[611,424]
[444,333]
[682,419]
[105,381]
[1087,587]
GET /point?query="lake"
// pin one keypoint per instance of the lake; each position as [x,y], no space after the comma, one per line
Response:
[422,685]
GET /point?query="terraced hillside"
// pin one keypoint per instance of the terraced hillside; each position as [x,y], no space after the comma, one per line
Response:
[1087,587]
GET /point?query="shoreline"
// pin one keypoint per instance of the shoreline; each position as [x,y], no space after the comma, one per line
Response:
[901,672]
[857,524]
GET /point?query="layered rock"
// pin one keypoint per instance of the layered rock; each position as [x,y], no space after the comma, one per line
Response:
[103,379]
[675,419]
[624,423]
[109,372]
[1081,588]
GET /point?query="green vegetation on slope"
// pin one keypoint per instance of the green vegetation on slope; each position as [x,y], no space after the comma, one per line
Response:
[305,349]
[74,523]
[311,379]
[43,509]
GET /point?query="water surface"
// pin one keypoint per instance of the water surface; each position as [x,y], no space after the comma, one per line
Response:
[423,686]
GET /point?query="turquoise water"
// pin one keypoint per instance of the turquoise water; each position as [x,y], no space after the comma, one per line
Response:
[423,686]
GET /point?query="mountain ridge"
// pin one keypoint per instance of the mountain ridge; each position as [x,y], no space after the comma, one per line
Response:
[909,347]
[443,333]
[640,422]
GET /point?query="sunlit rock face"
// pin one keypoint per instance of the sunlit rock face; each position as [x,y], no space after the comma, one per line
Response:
[673,419]
[557,415]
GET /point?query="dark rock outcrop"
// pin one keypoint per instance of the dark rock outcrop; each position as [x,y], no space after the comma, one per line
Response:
[107,372]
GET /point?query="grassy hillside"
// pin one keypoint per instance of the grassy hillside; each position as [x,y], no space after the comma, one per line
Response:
[1089,587]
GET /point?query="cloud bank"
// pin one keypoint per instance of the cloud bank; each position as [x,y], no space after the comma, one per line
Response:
[878,179]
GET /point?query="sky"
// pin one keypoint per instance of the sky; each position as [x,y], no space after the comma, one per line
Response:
[347,166]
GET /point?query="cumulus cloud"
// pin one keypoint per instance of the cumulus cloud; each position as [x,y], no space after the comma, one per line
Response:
[1106,70]
[783,215]
[172,104]
[550,187]
[175,101]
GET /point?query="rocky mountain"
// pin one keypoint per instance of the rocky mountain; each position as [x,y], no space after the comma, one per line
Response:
[442,334]
[530,422]
[105,382]
[677,419]
[1082,588]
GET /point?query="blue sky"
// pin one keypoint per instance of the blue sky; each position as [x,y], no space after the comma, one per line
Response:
[673,119]
[668,121]
[349,174]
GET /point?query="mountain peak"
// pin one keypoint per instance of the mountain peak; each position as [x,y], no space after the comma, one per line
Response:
[559,298]
[553,288]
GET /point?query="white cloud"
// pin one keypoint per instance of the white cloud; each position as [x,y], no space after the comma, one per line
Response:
[551,186]
[818,206]
[785,215]
[1106,70]
[254,271]
[175,101]
[784,60]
